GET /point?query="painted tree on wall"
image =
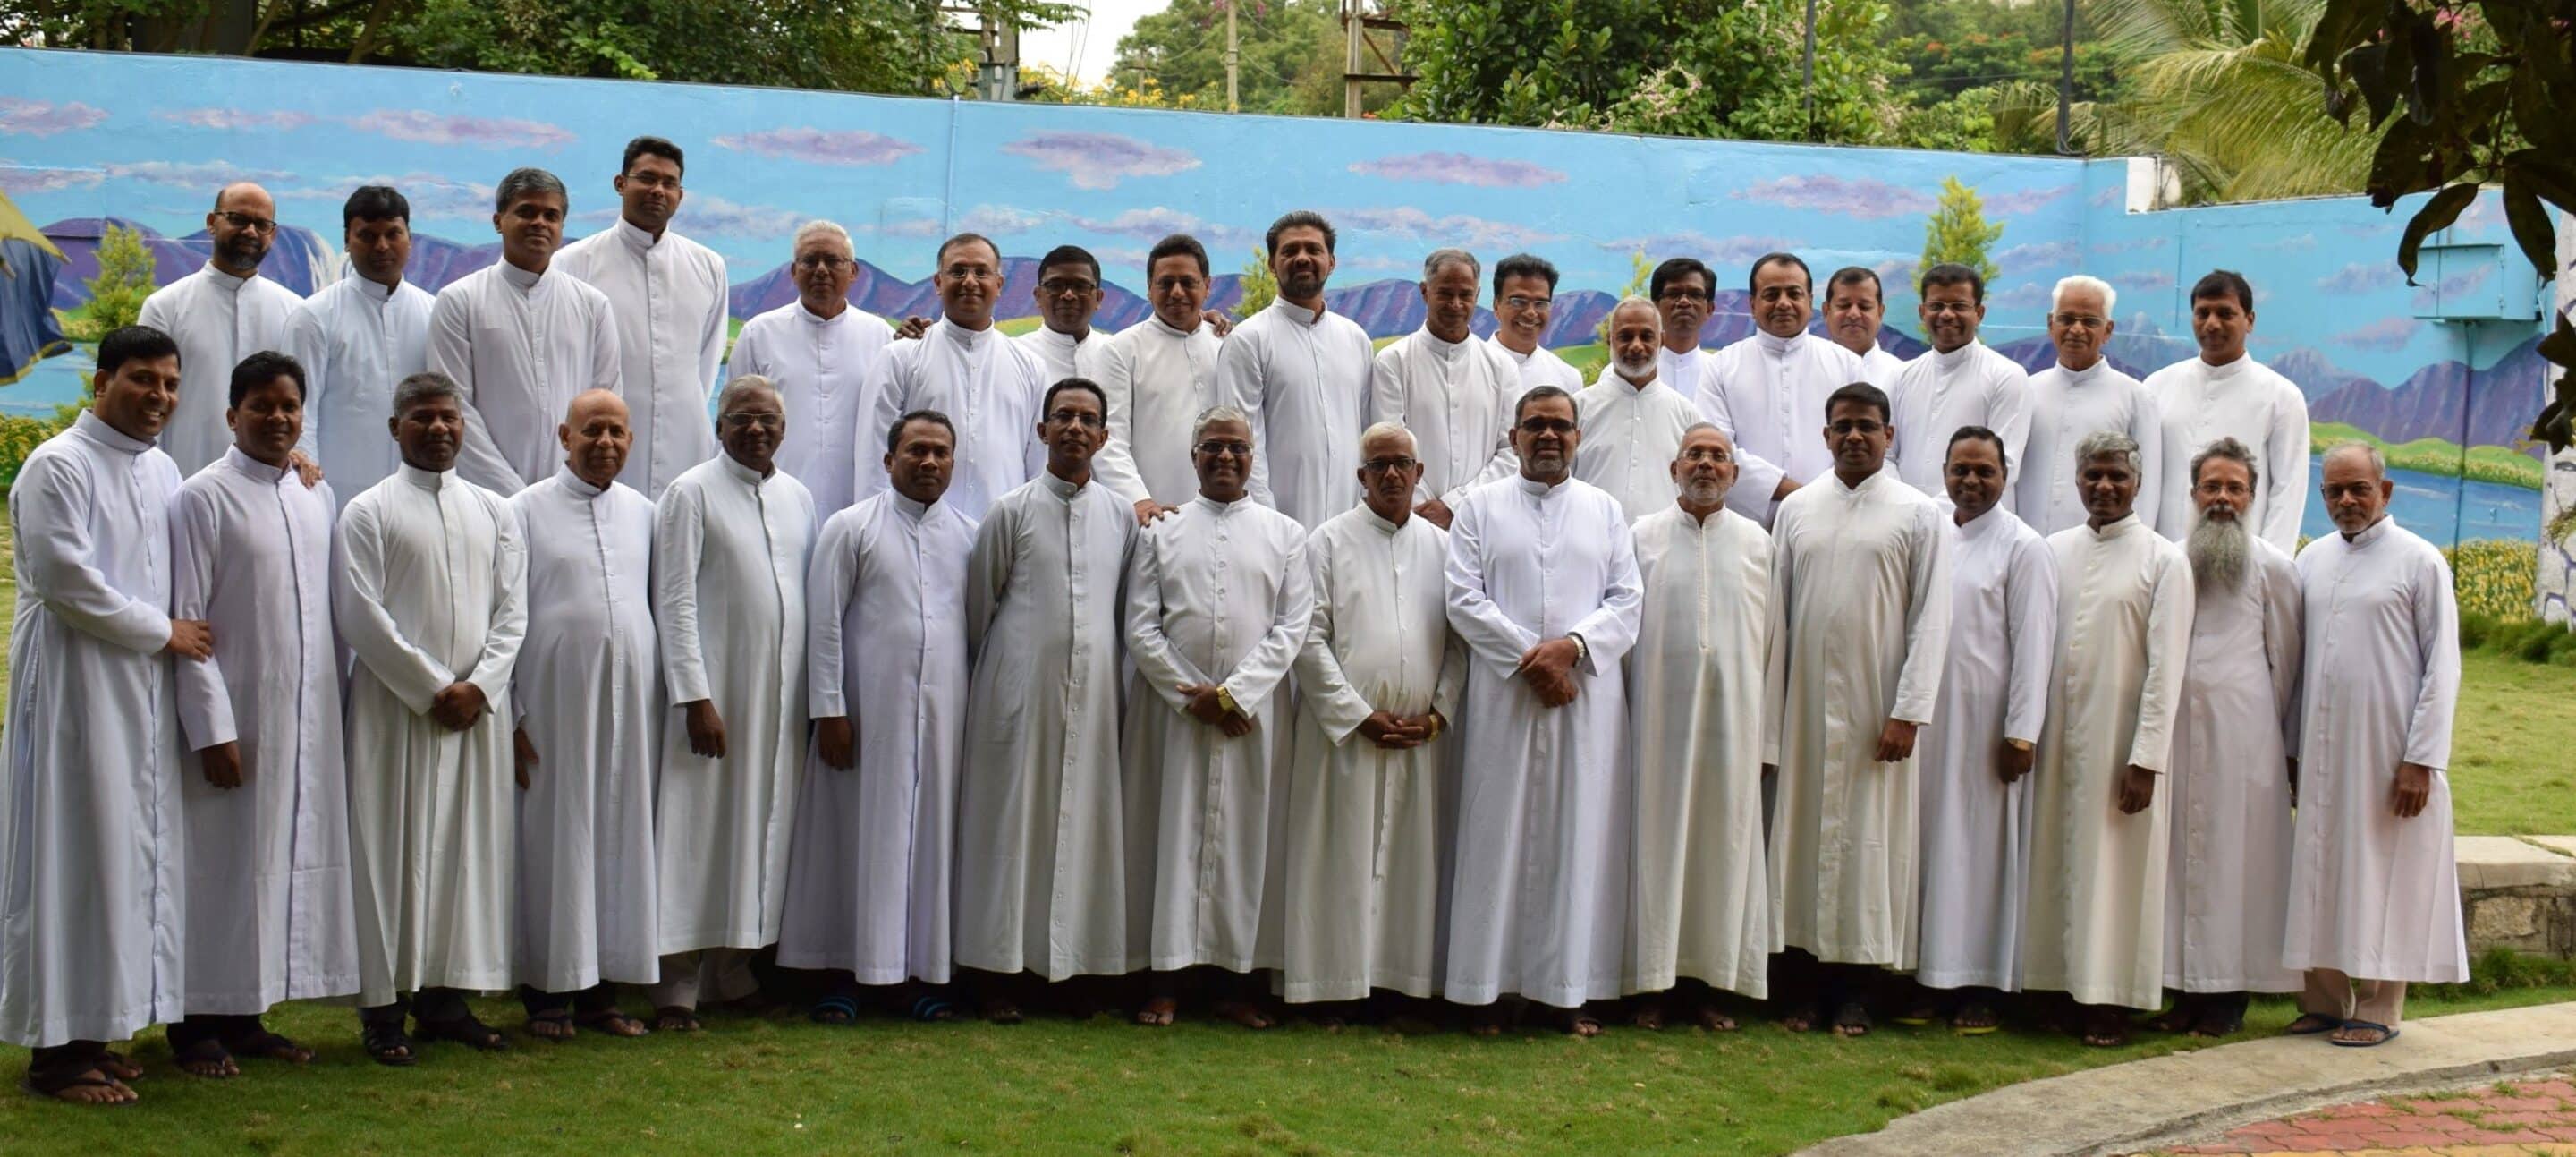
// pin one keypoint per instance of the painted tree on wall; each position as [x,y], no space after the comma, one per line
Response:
[1260,286]
[116,294]
[1958,232]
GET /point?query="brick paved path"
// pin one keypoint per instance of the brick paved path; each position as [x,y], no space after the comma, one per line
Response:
[2514,1117]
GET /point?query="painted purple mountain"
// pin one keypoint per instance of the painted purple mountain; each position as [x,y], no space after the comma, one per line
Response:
[436,261]
[299,259]
[2446,400]
[2316,374]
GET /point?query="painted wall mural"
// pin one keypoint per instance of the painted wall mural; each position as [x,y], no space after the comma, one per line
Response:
[88,139]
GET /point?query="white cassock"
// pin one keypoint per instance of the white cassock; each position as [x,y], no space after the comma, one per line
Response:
[217,319]
[1457,399]
[869,869]
[523,345]
[2248,401]
[1159,380]
[1631,434]
[1682,371]
[1043,882]
[1938,393]
[2066,405]
[2094,917]
[1860,598]
[991,389]
[356,340]
[1994,686]
[1768,394]
[1303,376]
[668,298]
[1216,593]
[1368,829]
[1879,367]
[2373,896]
[1540,367]
[89,805]
[730,549]
[821,366]
[268,862]
[1063,355]
[431,590]
[2227,877]
[589,694]
[1703,900]
[1541,897]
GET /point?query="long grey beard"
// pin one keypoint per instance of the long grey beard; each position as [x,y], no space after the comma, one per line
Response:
[2217,551]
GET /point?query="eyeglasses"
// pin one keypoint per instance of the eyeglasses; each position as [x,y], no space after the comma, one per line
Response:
[1386,465]
[1529,302]
[2080,321]
[1065,287]
[246,221]
[974,272]
[740,418]
[2217,489]
[1537,426]
[1213,448]
[1069,417]
[824,261]
[1706,454]
[1168,284]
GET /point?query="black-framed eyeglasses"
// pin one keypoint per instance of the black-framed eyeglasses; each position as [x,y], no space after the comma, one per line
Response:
[1070,417]
[1385,465]
[824,261]
[246,221]
[767,421]
[1213,448]
[1066,287]
[1535,426]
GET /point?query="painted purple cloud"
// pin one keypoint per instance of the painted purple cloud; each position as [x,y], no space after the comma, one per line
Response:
[2132,245]
[1413,224]
[38,118]
[1460,169]
[822,146]
[1866,198]
[26,179]
[420,126]
[2107,196]
[2298,243]
[1146,224]
[2028,295]
[708,215]
[233,119]
[431,195]
[207,175]
[2360,277]
[1693,243]
[2387,335]
[2023,200]
[1001,219]
[2144,280]
[2064,251]
[1099,160]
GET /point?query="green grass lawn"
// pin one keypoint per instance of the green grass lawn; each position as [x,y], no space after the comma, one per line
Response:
[2511,772]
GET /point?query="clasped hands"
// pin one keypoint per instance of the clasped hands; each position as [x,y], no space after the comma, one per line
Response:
[1207,705]
[1548,668]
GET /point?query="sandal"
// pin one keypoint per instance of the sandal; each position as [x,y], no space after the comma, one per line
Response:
[465,1030]
[1851,1020]
[930,1009]
[52,1086]
[553,1024]
[2386,1034]
[2217,1024]
[386,1043]
[673,1018]
[269,1046]
[116,1068]
[208,1058]
[1975,1018]
[836,1009]
[612,1021]
[2105,1030]
[2312,1024]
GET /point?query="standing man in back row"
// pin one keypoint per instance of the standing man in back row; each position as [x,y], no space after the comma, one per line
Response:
[220,314]
[357,337]
[668,295]
[1524,303]
[1302,374]
[1452,392]
[964,367]
[1068,297]
[2225,393]
[1962,382]
[2083,393]
[1855,310]
[1762,391]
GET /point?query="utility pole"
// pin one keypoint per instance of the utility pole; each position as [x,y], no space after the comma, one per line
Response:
[1354,36]
[1810,86]
[1358,18]
[2066,86]
[1233,62]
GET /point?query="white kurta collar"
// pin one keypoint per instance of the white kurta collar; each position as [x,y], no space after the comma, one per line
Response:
[1776,346]
[745,474]
[1295,312]
[577,484]
[2220,373]
[1541,490]
[97,430]
[1865,483]
[1056,337]
[911,509]
[375,292]
[1156,320]
[519,279]
[964,337]
[1220,508]
[810,317]
[2373,532]
[253,468]
[1444,350]
[1635,389]
[2126,524]
[216,277]
[1956,358]
[1059,487]
[1986,524]
[636,238]
[1382,525]
[429,480]
[1518,358]
[2087,375]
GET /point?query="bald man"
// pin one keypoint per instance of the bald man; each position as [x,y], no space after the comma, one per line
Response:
[219,315]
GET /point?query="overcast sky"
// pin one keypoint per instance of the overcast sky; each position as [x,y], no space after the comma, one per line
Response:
[1095,40]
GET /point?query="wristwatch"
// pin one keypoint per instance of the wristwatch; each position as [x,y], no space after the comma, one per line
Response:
[1225,699]
[2022,745]
[1582,650]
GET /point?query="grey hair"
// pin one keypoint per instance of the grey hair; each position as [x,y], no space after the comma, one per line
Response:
[524,181]
[1696,427]
[1450,255]
[813,229]
[1637,299]
[1219,414]
[2231,450]
[2107,443]
[747,384]
[1388,430]
[423,386]
[2378,461]
[2110,296]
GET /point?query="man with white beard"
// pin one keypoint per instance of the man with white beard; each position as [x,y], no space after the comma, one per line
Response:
[1452,392]
[1543,590]
[1632,422]
[965,368]
[1702,915]
[2093,921]
[731,539]
[1302,373]
[1684,290]
[819,350]
[1218,599]
[1524,303]
[1961,382]
[2227,879]
[589,691]
[1369,803]
[220,314]
[1855,310]
[355,338]
[1067,296]
[2081,394]
[1764,389]
[2374,891]
[1160,375]
[1994,695]
[2225,393]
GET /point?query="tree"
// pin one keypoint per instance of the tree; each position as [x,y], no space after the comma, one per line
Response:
[1260,286]
[116,294]
[1641,273]
[1284,42]
[1957,230]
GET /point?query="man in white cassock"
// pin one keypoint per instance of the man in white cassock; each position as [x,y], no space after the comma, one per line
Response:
[264,792]
[2374,892]
[1369,800]
[964,367]
[1044,877]
[220,314]
[1068,296]
[1860,605]
[1702,915]
[1960,382]
[1762,391]
[2225,393]
[355,338]
[1632,422]
[1543,590]
[731,541]
[430,593]
[2227,878]
[522,339]
[1524,304]
[1218,600]
[1303,374]
[667,296]
[1985,726]
[1855,309]
[2093,914]
[2082,393]
[1452,392]
[1684,290]
[870,866]
[589,695]
[819,351]
[1160,374]
[92,839]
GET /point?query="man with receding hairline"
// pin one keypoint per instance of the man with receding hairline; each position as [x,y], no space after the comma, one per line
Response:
[820,351]
[1160,374]
[2080,394]
[1633,422]
[1855,309]
[1960,381]
[1452,392]
[220,314]
[965,368]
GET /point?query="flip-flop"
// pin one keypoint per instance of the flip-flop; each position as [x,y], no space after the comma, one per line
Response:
[612,1021]
[2316,1022]
[205,1051]
[838,1010]
[268,1046]
[52,1088]
[2386,1034]
[933,1010]
[380,1041]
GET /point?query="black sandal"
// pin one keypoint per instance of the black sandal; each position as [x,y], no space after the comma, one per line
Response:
[205,1051]
[51,1086]
[673,1018]
[268,1046]
[612,1021]
[554,1018]
[465,1030]
[1851,1020]
[387,1044]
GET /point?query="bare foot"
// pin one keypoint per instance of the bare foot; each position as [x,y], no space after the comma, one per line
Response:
[552,1024]
[207,1058]
[1851,1020]
[1648,1016]
[1580,1023]
[1158,1012]
[87,1087]
[1241,1012]
[1712,1019]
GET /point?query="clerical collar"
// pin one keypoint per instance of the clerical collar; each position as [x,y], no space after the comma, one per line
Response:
[252,468]
[1171,329]
[1634,387]
[812,318]
[635,237]
[1379,520]
[911,509]
[225,280]
[1058,486]
[745,474]
[577,484]
[1776,345]
[2373,532]
[2085,376]
[1955,358]
[969,338]
[1219,506]
[1984,524]
[2227,370]
[1439,346]
[1062,338]
[519,278]
[1518,358]
[1848,488]
[2127,523]
[1537,489]
[89,423]
[375,290]
[429,480]
[1295,312]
